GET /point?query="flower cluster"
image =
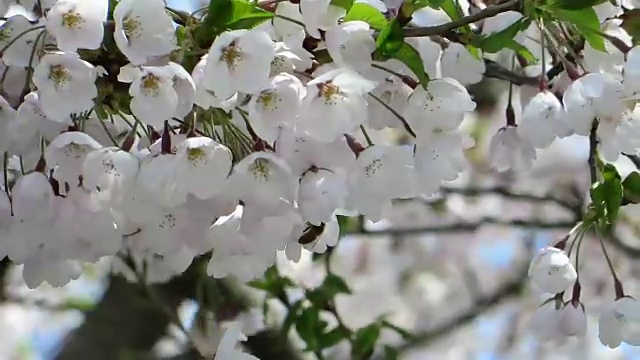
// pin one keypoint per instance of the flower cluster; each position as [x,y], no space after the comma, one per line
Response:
[252,153]
[125,136]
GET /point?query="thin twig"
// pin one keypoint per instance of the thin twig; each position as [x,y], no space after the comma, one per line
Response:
[445,28]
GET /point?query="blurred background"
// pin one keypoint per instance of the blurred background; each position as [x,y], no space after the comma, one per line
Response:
[451,270]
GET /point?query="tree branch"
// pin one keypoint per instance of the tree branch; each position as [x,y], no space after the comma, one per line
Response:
[458,227]
[445,28]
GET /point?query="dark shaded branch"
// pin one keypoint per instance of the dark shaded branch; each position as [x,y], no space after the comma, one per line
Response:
[496,71]
[445,28]
[124,321]
[458,227]
[507,193]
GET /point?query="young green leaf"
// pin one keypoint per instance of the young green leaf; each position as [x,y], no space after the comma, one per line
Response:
[292,315]
[367,13]
[410,57]
[334,284]
[606,196]
[585,21]
[574,4]
[307,327]
[365,341]
[498,41]
[333,337]
[631,186]
[345,4]
[389,41]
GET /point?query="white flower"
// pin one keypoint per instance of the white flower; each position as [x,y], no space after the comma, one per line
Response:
[619,134]
[22,34]
[66,85]
[49,268]
[7,119]
[351,44]
[543,120]
[328,238]
[593,95]
[319,15]
[263,178]
[184,87]
[612,59]
[335,104]
[440,107]
[321,193]
[158,177]
[430,53]
[572,319]
[620,322]
[285,28]
[500,22]
[227,349]
[510,151]
[632,71]
[109,169]
[439,158]
[143,30]
[202,166]
[276,106]
[66,155]
[545,324]
[154,98]
[77,24]
[239,60]
[551,271]
[381,173]
[206,98]
[394,93]
[302,153]
[458,63]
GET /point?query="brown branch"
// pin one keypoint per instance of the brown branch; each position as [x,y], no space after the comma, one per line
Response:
[464,226]
[480,305]
[446,28]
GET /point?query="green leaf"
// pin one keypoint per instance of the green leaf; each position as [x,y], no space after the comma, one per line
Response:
[409,56]
[367,13]
[631,186]
[290,319]
[334,284]
[586,23]
[606,196]
[411,6]
[345,4]
[389,41]
[333,337]
[452,9]
[272,283]
[574,4]
[613,192]
[250,20]
[306,326]
[502,39]
[218,14]
[391,353]
[365,341]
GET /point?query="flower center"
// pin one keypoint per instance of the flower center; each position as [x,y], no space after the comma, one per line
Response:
[74,150]
[5,33]
[72,20]
[195,155]
[231,55]
[268,100]
[373,167]
[59,76]
[330,92]
[150,85]
[260,169]
[131,27]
